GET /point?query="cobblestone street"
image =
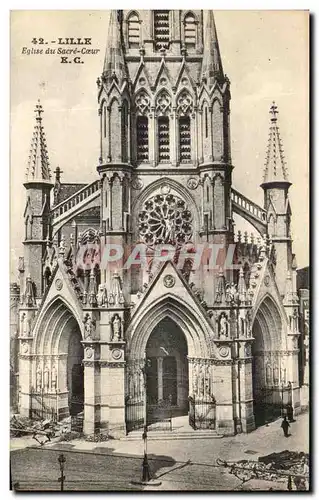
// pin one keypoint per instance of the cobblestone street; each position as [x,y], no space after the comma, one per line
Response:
[179,465]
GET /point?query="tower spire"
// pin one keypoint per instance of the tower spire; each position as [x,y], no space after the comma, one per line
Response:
[38,165]
[114,63]
[212,64]
[275,167]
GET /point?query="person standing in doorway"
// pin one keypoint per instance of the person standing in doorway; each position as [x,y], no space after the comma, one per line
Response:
[284,426]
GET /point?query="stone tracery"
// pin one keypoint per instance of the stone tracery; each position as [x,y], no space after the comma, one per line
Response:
[165,218]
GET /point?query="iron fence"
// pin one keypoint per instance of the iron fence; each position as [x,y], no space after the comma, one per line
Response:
[202,413]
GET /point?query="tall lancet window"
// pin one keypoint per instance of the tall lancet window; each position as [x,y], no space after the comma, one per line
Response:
[190,30]
[163,139]
[185,107]
[142,105]
[185,139]
[161,29]
[133,23]
[142,138]
[125,135]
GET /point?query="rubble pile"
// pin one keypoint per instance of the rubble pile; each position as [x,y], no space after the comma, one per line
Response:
[23,426]
[274,467]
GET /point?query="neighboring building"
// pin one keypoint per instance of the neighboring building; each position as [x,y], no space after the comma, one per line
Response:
[304,339]
[221,345]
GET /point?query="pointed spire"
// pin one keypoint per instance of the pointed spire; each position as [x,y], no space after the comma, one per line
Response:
[114,63]
[212,64]
[38,169]
[275,166]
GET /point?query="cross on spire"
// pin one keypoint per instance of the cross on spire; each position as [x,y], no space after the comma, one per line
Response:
[38,110]
[275,165]
[273,111]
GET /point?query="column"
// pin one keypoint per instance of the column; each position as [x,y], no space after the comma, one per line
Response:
[160,378]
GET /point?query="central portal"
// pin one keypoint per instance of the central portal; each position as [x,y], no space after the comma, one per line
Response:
[167,372]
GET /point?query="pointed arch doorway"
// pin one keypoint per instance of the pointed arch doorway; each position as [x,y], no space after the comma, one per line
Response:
[269,381]
[167,372]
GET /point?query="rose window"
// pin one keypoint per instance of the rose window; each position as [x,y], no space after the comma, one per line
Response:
[165,218]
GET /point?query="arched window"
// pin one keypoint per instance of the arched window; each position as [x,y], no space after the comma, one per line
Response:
[104,121]
[163,139]
[125,135]
[133,30]
[185,139]
[190,30]
[142,138]
[161,29]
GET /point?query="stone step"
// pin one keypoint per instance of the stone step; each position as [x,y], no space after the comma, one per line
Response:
[173,435]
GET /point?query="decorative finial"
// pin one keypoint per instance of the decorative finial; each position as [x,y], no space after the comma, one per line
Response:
[273,111]
[38,109]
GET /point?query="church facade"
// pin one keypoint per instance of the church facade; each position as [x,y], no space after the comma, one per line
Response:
[136,296]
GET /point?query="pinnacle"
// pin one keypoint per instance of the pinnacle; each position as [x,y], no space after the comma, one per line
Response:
[212,64]
[275,165]
[38,161]
[114,63]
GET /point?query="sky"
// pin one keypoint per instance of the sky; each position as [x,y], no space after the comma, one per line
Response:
[264,54]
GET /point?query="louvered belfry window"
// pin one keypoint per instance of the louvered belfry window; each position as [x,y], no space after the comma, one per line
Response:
[190,30]
[142,138]
[185,139]
[133,30]
[163,139]
[161,29]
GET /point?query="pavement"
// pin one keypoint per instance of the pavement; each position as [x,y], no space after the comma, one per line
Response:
[179,465]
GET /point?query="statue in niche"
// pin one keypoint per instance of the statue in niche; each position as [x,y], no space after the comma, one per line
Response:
[39,380]
[195,384]
[101,296]
[268,374]
[46,378]
[223,326]
[54,378]
[283,374]
[116,328]
[276,375]
[23,325]
[89,326]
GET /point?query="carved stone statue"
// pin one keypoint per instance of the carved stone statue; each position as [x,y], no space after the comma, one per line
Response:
[101,296]
[89,326]
[54,378]
[116,328]
[39,380]
[46,378]
[223,326]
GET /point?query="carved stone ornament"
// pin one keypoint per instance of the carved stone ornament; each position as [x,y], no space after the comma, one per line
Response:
[137,183]
[192,183]
[224,351]
[116,354]
[25,348]
[169,281]
[267,280]
[58,284]
[165,189]
[88,352]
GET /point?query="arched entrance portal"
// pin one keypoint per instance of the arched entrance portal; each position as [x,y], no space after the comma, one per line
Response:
[58,354]
[268,381]
[167,372]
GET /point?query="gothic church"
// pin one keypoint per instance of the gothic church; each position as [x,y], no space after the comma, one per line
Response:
[121,345]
